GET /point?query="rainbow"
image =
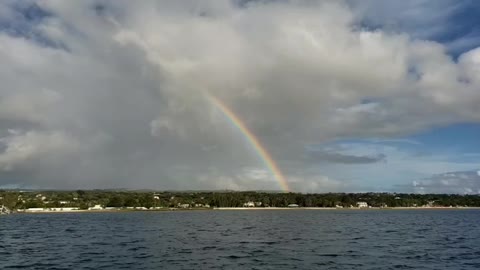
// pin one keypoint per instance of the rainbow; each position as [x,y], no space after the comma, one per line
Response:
[252,140]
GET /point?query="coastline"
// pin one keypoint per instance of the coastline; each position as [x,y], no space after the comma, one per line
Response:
[110,211]
[341,209]
[242,209]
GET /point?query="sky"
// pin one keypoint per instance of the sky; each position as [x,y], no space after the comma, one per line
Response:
[345,96]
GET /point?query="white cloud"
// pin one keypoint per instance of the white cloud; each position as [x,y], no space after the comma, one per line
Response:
[24,150]
[133,78]
[31,107]
[403,163]
[463,182]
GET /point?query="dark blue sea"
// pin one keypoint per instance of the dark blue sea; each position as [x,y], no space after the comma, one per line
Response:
[267,239]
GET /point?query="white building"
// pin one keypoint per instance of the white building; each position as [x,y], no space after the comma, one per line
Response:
[35,209]
[185,205]
[60,209]
[362,204]
[41,197]
[96,207]
[249,204]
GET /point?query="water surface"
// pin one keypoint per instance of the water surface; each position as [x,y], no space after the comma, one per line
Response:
[276,239]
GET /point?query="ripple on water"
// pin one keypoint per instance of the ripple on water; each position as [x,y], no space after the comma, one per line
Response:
[247,240]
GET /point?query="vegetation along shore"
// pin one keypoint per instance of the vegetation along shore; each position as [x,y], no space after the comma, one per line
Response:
[44,201]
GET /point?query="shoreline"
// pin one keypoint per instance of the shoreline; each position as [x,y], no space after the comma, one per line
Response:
[242,209]
[340,209]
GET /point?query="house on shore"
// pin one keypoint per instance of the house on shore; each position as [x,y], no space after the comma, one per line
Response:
[96,207]
[60,209]
[249,204]
[362,205]
[36,209]
[184,205]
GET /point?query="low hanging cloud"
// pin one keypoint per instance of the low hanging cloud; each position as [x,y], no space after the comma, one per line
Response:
[464,182]
[348,153]
[121,86]
[27,149]
[332,157]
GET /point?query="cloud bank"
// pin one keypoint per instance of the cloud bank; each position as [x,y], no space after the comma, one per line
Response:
[101,94]
[463,182]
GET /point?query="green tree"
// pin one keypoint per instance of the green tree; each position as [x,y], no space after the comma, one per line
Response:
[115,201]
[10,200]
[147,201]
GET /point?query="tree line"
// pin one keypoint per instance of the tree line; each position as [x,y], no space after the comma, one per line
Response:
[148,199]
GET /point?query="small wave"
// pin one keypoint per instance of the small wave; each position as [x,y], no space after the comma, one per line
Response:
[143,256]
[100,243]
[403,266]
[329,255]
[235,257]
[270,242]
[136,248]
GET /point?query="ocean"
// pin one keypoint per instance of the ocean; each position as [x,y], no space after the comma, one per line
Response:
[220,239]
